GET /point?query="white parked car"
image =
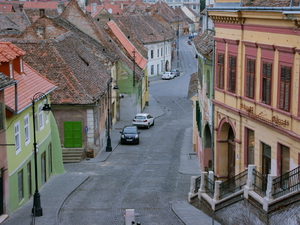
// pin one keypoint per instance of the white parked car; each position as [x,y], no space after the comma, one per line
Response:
[167,76]
[143,120]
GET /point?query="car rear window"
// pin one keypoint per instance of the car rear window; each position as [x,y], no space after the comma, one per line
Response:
[130,130]
[140,117]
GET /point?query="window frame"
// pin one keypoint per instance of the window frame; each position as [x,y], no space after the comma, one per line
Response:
[17,135]
[20,186]
[220,70]
[250,78]
[26,130]
[231,74]
[266,92]
[41,116]
[282,98]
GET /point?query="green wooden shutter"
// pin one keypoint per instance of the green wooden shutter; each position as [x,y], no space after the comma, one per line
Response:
[73,134]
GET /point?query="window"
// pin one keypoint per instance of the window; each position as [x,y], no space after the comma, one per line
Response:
[17,137]
[152,69]
[220,71]
[29,180]
[157,68]
[20,186]
[232,74]
[26,130]
[266,159]
[266,83]
[47,116]
[194,7]
[161,52]
[41,118]
[50,158]
[249,146]
[285,88]
[151,54]
[1,116]
[199,118]
[157,53]
[43,166]
[250,76]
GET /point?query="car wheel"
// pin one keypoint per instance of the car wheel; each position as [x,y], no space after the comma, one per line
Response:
[148,126]
[138,141]
[153,123]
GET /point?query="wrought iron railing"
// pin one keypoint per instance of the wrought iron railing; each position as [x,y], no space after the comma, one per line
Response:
[260,183]
[233,184]
[209,186]
[197,184]
[286,183]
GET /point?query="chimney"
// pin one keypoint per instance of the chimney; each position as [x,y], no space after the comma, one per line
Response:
[93,8]
[60,7]
[21,7]
[42,12]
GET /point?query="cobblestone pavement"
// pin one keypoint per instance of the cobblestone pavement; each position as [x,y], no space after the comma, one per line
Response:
[152,178]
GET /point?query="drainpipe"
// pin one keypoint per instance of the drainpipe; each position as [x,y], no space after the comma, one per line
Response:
[213,106]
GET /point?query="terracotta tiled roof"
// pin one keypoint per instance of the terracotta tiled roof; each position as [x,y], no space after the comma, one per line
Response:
[165,11]
[9,52]
[204,43]
[6,81]
[6,8]
[12,23]
[193,85]
[271,3]
[29,83]
[139,59]
[144,28]
[69,64]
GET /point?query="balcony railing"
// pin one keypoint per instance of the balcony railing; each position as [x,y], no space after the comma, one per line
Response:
[260,183]
[233,184]
[197,184]
[286,183]
[209,186]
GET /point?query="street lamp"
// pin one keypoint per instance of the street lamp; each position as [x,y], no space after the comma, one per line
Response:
[133,76]
[108,143]
[164,50]
[37,209]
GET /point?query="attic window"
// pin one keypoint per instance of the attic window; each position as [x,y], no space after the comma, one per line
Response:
[128,37]
[103,50]
[84,61]
[98,19]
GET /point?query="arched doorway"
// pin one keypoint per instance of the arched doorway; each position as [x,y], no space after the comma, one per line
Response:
[225,156]
[207,149]
[231,154]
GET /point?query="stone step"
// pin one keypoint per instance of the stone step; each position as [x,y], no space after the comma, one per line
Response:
[72,155]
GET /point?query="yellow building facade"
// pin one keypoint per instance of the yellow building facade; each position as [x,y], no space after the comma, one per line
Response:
[256,89]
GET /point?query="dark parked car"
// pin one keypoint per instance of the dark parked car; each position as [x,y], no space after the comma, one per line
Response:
[189,42]
[130,134]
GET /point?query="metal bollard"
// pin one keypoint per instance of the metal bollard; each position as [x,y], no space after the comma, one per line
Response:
[129,217]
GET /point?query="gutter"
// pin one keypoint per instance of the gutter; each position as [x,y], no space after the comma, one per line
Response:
[275,9]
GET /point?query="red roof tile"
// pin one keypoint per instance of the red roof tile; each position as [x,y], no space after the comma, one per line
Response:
[139,59]
[9,52]
[29,83]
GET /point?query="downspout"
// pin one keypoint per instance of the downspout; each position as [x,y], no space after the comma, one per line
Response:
[16,99]
[213,106]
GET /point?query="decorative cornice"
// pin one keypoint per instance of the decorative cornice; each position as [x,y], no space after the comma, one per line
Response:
[227,19]
[230,41]
[274,121]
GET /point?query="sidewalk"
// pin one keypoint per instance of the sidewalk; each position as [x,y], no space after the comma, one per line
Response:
[59,187]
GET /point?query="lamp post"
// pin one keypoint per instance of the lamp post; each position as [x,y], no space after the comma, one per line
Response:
[108,144]
[37,209]
[133,76]
[164,50]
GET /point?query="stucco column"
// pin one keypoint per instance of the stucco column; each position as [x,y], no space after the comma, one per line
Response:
[249,186]
[202,184]
[269,192]
[192,188]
